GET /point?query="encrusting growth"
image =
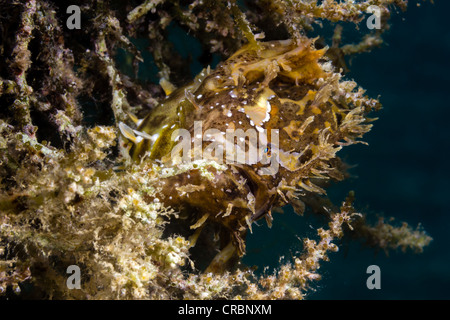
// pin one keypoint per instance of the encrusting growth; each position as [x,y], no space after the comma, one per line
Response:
[133,181]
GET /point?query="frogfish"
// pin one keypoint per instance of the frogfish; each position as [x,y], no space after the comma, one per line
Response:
[260,131]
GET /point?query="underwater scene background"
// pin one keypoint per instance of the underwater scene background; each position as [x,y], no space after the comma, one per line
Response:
[71,194]
[402,173]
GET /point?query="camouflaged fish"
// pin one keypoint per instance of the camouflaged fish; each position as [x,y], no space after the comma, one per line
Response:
[285,93]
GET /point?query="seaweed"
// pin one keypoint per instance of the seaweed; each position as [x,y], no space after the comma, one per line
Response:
[139,224]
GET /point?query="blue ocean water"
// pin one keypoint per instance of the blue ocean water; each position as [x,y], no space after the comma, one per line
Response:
[403,173]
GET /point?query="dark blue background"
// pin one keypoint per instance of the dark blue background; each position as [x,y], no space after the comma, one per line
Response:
[403,173]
